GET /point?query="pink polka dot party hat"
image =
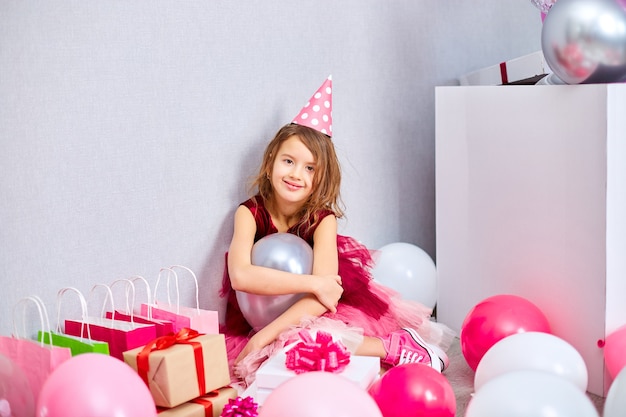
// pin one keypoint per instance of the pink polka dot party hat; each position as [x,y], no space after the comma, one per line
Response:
[317,112]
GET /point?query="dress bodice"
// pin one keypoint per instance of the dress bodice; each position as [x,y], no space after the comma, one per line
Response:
[265,226]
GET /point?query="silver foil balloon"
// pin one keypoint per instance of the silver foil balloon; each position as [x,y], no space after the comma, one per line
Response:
[584,41]
[282,251]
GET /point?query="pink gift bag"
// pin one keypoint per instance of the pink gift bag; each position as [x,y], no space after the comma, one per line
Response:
[163,327]
[120,335]
[203,321]
[36,359]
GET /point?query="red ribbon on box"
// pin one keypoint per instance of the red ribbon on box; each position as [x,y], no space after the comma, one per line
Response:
[206,403]
[504,76]
[183,337]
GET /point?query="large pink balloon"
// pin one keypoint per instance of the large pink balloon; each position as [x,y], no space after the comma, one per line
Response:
[413,389]
[315,394]
[493,319]
[95,385]
[16,395]
[615,351]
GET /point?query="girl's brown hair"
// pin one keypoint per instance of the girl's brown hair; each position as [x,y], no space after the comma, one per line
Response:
[327,179]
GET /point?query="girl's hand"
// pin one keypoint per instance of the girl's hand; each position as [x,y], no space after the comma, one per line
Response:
[253,345]
[328,291]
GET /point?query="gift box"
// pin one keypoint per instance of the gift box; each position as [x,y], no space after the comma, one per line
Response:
[181,367]
[210,405]
[528,67]
[362,370]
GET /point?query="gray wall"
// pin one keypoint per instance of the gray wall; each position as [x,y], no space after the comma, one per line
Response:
[128,130]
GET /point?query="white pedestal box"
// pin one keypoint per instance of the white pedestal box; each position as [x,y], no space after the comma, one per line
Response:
[531,200]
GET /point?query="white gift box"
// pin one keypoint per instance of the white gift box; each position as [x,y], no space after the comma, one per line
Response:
[511,71]
[362,370]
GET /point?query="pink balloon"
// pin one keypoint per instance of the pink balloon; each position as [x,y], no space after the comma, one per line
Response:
[615,351]
[493,319]
[95,385]
[16,395]
[315,394]
[413,389]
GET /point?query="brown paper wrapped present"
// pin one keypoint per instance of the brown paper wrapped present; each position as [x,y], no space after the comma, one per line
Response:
[182,366]
[210,405]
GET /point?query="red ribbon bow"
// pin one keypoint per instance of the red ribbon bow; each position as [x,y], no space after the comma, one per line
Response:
[321,354]
[184,336]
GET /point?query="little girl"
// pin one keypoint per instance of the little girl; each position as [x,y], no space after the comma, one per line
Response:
[299,192]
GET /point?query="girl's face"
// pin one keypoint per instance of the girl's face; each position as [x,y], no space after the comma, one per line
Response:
[293,172]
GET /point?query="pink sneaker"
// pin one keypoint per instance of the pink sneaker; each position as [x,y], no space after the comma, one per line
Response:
[407,346]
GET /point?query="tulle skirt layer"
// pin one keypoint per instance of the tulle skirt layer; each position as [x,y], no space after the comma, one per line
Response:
[367,308]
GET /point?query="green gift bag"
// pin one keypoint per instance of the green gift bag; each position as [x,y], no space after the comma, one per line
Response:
[76,344]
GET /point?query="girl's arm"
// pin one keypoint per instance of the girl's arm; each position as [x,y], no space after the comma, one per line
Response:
[325,261]
[324,283]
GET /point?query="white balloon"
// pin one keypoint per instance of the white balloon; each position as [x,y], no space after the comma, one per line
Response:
[409,270]
[530,394]
[532,351]
[615,403]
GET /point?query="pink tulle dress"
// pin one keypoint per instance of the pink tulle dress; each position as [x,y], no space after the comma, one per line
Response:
[366,308]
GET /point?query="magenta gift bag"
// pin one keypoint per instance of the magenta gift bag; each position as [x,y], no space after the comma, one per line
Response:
[120,335]
[203,321]
[36,359]
[163,327]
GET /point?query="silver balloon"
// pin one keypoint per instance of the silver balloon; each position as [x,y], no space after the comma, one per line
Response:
[584,41]
[282,251]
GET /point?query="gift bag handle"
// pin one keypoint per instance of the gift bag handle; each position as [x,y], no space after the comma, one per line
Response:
[83,305]
[109,296]
[148,292]
[156,287]
[195,281]
[43,317]
[172,272]
[130,286]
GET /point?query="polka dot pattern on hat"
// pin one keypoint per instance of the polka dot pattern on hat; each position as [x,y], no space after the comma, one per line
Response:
[317,112]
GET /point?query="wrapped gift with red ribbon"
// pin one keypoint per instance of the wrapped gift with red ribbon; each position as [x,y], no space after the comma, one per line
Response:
[210,405]
[181,367]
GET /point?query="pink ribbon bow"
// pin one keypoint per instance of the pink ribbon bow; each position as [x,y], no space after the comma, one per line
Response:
[240,407]
[321,354]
